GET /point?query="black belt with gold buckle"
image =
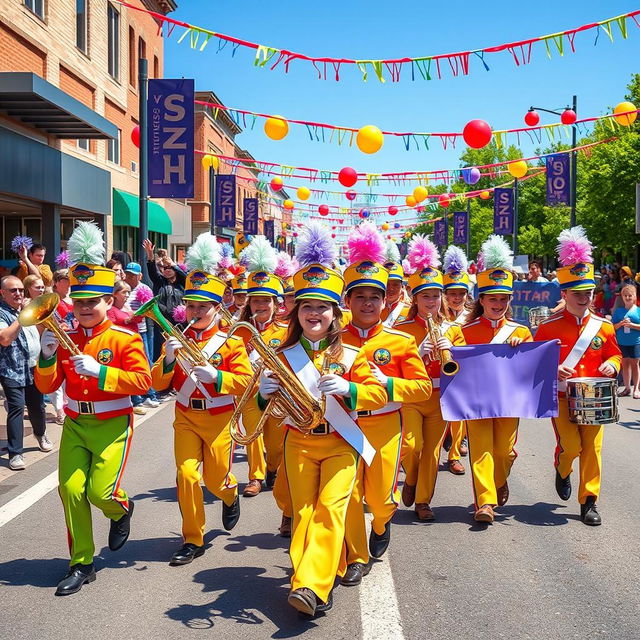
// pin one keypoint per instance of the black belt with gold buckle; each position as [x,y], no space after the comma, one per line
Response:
[364,414]
[199,404]
[321,430]
[85,408]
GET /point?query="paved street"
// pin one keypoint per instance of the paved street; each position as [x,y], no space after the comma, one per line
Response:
[536,573]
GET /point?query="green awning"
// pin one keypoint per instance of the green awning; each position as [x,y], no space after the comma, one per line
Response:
[126,213]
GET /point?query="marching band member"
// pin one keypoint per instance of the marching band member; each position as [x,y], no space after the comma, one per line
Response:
[239,289]
[396,307]
[263,291]
[285,269]
[492,440]
[205,400]
[321,466]
[394,360]
[423,422]
[457,304]
[588,347]
[96,437]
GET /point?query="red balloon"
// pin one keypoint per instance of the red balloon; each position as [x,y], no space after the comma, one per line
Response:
[393,211]
[323,210]
[443,200]
[341,221]
[333,235]
[568,116]
[532,118]
[477,134]
[347,177]
[351,195]
[135,136]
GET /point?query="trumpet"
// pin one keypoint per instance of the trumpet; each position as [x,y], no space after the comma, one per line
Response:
[41,310]
[292,400]
[190,352]
[449,365]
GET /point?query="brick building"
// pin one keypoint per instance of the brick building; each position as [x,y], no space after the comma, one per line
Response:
[68,105]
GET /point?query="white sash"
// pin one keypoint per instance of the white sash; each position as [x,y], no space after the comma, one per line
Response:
[335,415]
[191,382]
[394,315]
[582,344]
[504,333]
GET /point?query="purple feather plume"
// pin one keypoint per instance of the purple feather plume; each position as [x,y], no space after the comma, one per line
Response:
[574,247]
[480,261]
[455,261]
[21,241]
[62,260]
[365,243]
[316,246]
[227,249]
[285,267]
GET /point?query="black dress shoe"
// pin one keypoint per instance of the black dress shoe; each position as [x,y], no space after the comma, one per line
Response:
[120,529]
[378,544]
[447,442]
[231,515]
[304,600]
[77,575]
[354,574]
[187,554]
[270,480]
[589,512]
[325,606]
[563,486]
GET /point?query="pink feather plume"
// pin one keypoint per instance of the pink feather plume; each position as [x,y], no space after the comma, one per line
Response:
[480,262]
[574,247]
[225,262]
[285,267]
[143,293]
[407,268]
[423,253]
[365,243]
[179,314]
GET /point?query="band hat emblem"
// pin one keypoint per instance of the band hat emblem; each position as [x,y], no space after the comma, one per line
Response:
[396,272]
[596,343]
[319,283]
[91,281]
[495,281]
[203,287]
[457,280]
[216,360]
[198,279]
[381,356]
[315,276]
[105,356]
[366,273]
[337,368]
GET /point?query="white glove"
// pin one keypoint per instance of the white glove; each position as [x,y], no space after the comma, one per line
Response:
[268,386]
[425,348]
[333,385]
[170,348]
[86,365]
[48,344]
[607,369]
[378,375]
[206,374]
[444,343]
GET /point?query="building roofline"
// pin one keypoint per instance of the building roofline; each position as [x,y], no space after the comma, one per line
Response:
[210,96]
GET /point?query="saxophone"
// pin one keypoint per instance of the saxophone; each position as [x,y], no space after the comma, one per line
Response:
[449,365]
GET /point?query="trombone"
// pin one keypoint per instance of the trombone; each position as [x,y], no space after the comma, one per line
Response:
[449,365]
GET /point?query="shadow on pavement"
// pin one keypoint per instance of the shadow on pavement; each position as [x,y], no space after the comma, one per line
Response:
[540,514]
[634,426]
[245,596]
[268,541]
[35,572]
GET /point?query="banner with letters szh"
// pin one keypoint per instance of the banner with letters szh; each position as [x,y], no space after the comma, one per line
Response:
[250,216]
[503,211]
[225,205]
[460,227]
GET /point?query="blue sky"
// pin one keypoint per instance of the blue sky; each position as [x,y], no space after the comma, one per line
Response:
[354,29]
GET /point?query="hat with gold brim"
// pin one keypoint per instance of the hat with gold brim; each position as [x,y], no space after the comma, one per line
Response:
[91,281]
[427,278]
[239,284]
[261,283]
[575,253]
[455,267]
[496,275]
[203,287]
[396,272]
[365,273]
[495,281]
[317,282]
[579,276]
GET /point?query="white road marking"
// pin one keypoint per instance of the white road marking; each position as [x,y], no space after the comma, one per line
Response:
[28,498]
[379,612]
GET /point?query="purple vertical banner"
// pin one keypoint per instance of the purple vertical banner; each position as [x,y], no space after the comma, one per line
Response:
[269,232]
[440,233]
[503,210]
[225,201]
[460,227]
[250,216]
[558,183]
[170,117]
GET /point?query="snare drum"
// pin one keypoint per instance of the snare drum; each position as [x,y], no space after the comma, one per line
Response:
[537,315]
[592,400]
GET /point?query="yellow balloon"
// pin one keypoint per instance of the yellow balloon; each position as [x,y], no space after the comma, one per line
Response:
[411,201]
[420,193]
[276,127]
[518,169]
[209,161]
[369,139]
[288,204]
[303,193]
[385,226]
[628,120]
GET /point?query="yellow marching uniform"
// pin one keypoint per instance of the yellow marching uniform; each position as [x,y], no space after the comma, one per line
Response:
[395,312]
[203,412]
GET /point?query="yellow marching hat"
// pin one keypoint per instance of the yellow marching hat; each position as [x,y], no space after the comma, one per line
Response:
[366,253]
[261,260]
[575,255]
[455,265]
[396,272]
[239,283]
[392,261]
[88,276]
[366,273]
[202,260]
[261,283]
[423,256]
[496,275]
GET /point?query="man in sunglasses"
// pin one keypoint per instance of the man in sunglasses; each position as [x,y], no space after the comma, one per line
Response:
[19,350]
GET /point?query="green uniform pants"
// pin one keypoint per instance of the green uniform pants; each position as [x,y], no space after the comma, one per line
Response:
[93,454]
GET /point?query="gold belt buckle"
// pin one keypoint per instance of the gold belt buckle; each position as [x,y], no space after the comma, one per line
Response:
[198,404]
[85,408]
[321,430]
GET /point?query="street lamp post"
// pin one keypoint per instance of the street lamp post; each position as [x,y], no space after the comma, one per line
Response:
[571,114]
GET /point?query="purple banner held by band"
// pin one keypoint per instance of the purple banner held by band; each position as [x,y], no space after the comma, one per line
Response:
[503,211]
[170,117]
[523,382]
[250,216]
[440,233]
[460,227]
[558,181]
[225,201]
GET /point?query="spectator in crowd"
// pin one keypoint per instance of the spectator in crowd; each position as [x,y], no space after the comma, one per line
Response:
[61,286]
[117,267]
[626,321]
[121,256]
[19,351]
[168,285]
[33,287]
[535,272]
[32,263]
[626,277]
[140,294]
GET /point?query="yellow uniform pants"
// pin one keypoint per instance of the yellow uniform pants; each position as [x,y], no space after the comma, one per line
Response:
[377,484]
[255,450]
[458,430]
[202,439]
[491,453]
[425,421]
[281,490]
[321,471]
[583,441]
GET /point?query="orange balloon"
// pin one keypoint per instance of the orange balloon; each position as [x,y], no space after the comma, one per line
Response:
[623,107]
[276,127]
[385,226]
[288,204]
[303,193]
[411,201]
[420,193]
[485,195]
